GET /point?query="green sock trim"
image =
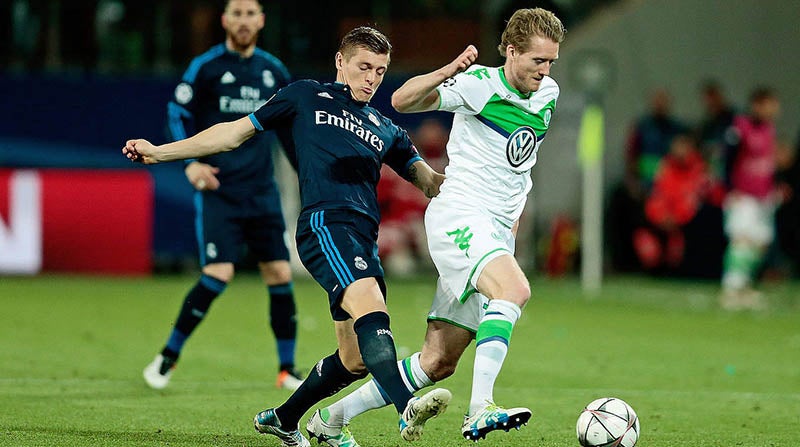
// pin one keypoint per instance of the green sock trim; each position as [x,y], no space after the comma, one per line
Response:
[410,374]
[741,259]
[494,328]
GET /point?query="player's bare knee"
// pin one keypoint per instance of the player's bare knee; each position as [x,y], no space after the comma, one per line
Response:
[220,271]
[359,369]
[354,365]
[276,272]
[280,278]
[518,293]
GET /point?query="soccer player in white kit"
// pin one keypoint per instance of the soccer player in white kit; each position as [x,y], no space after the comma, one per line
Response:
[502,114]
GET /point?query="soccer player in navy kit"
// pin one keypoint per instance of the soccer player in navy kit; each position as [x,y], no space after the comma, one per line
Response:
[340,143]
[237,199]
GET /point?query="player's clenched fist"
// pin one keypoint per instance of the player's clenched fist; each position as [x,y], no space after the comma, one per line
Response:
[139,150]
[464,60]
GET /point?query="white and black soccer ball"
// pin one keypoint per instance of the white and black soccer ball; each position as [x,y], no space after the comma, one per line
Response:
[608,422]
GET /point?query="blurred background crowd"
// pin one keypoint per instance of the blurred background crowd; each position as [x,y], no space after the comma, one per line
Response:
[79,77]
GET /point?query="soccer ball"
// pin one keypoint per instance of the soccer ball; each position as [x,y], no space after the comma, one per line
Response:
[608,422]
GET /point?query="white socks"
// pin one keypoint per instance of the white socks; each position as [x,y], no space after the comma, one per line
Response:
[370,396]
[491,347]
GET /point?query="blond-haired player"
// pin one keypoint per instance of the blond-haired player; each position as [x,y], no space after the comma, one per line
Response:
[502,114]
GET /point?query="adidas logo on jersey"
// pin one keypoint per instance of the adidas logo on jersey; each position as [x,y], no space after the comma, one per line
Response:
[228,78]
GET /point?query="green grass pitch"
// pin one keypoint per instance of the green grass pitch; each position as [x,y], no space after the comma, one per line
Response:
[72,350]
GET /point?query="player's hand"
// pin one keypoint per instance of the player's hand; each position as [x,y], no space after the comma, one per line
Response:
[432,190]
[140,150]
[463,61]
[202,176]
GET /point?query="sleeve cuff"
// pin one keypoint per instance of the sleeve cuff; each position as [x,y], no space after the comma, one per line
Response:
[255,122]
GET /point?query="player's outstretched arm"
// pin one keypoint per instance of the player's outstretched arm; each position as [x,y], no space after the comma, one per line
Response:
[425,178]
[419,94]
[220,137]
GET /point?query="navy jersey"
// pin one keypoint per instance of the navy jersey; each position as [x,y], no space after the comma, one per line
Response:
[339,145]
[220,86]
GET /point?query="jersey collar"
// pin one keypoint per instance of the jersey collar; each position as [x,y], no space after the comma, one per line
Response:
[344,89]
[508,86]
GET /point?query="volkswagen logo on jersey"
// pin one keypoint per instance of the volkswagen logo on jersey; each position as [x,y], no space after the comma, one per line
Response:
[520,146]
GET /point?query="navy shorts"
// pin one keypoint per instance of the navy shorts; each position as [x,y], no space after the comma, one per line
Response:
[224,227]
[339,247]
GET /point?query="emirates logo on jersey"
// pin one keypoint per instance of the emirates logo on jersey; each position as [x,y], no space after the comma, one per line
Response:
[521,146]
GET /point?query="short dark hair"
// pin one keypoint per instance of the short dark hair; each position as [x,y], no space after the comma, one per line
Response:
[227,3]
[711,86]
[761,93]
[365,37]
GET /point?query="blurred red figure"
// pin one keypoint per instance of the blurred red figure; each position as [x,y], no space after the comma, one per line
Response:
[563,247]
[401,240]
[681,185]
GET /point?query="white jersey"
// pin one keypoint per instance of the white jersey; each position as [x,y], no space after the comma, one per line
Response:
[494,140]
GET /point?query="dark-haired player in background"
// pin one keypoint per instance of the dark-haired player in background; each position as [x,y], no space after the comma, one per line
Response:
[237,199]
[340,143]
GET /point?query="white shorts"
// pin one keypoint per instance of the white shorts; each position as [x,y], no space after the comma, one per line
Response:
[461,243]
[447,308]
[748,218]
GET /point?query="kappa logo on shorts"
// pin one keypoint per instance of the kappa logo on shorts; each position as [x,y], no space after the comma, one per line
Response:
[462,238]
[360,263]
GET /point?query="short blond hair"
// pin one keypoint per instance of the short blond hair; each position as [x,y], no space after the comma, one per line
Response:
[526,23]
